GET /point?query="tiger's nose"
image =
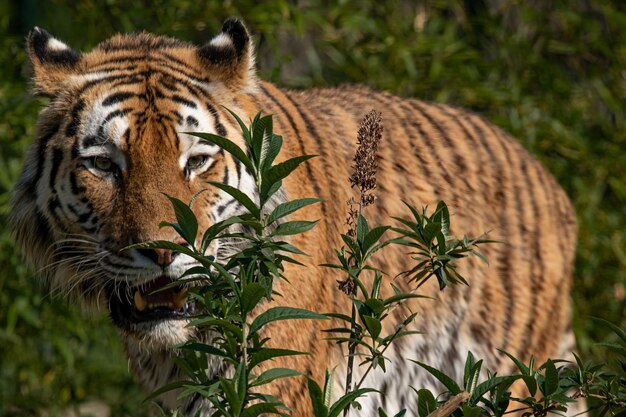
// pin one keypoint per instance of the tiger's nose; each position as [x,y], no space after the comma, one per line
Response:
[164,257]
[160,256]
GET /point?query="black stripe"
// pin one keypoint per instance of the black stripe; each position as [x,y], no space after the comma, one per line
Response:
[335,182]
[506,252]
[116,113]
[118,98]
[42,144]
[298,137]
[166,65]
[72,127]
[183,100]
[192,121]
[224,206]
[460,162]
[57,158]
[538,265]
[76,189]
[42,228]
[93,140]
[408,133]
[454,118]
[111,116]
[219,127]
[424,140]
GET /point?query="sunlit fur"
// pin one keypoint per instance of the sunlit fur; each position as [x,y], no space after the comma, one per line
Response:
[130,99]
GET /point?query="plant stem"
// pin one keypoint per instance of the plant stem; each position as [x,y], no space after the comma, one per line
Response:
[352,345]
[351,353]
[371,365]
[393,337]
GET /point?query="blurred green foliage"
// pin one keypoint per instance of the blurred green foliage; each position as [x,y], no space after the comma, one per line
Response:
[551,73]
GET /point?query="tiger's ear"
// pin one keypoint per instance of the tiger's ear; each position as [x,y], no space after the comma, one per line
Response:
[228,57]
[52,60]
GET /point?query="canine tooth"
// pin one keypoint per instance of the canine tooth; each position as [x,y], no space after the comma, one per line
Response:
[140,302]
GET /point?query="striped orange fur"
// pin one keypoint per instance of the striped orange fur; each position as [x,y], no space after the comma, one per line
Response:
[109,144]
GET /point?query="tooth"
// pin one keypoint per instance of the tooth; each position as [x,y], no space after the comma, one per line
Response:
[140,302]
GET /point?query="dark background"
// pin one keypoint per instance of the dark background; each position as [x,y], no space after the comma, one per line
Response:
[551,73]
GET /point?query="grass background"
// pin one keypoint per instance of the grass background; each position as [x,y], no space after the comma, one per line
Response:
[551,73]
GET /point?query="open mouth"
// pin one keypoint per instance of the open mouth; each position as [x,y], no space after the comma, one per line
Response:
[155,300]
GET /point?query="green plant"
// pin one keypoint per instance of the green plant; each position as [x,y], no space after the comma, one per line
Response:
[229,290]
[552,387]
[433,249]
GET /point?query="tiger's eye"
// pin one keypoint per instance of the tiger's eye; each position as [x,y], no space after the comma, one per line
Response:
[196,162]
[103,164]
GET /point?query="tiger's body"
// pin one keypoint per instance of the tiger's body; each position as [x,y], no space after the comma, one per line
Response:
[109,144]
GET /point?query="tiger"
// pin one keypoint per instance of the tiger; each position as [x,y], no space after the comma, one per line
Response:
[110,144]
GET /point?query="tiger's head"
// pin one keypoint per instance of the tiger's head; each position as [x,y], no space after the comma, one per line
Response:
[109,146]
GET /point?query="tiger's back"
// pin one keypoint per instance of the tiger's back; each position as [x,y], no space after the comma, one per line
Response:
[110,142]
[432,152]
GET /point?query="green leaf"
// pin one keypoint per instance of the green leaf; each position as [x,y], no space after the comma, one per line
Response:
[442,216]
[239,196]
[271,353]
[168,388]
[373,325]
[373,236]
[261,136]
[163,244]
[231,394]
[401,297]
[293,227]
[616,329]
[352,245]
[215,229]
[426,402]
[274,149]
[362,229]
[280,171]
[289,207]
[272,374]
[346,400]
[469,411]
[375,305]
[317,399]
[204,348]
[229,146]
[241,379]
[522,368]
[186,220]
[531,384]
[443,378]
[486,386]
[242,125]
[328,387]
[266,192]
[251,295]
[283,313]
[442,277]
[256,410]
[551,378]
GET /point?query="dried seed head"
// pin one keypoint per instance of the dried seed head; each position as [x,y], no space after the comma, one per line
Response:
[347,286]
[353,215]
[365,164]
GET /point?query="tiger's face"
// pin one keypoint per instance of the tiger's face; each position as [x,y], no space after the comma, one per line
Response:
[110,147]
